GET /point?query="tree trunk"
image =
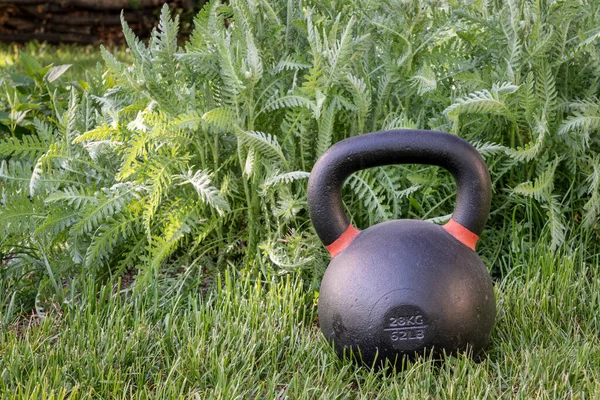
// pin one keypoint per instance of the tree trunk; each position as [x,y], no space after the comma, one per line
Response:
[81,21]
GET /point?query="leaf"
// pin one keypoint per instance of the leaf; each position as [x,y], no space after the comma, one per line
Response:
[221,117]
[190,120]
[136,46]
[35,176]
[369,192]
[479,102]
[276,103]
[287,177]
[109,202]
[592,206]
[30,146]
[201,181]
[529,151]
[249,164]
[542,186]
[487,148]
[326,122]
[263,143]
[30,64]
[556,222]
[339,54]
[424,80]
[289,64]
[56,72]
[73,197]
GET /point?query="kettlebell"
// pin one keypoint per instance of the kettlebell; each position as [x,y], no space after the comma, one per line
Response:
[403,287]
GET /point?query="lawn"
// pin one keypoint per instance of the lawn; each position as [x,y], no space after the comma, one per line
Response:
[154,234]
[249,336]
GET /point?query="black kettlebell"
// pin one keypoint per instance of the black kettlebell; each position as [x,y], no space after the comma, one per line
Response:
[403,287]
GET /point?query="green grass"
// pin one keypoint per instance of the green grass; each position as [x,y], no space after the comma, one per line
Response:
[258,338]
[82,58]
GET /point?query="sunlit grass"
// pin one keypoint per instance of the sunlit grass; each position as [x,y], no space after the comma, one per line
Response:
[251,337]
[82,58]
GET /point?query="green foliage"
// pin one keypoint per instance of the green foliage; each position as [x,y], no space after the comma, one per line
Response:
[202,151]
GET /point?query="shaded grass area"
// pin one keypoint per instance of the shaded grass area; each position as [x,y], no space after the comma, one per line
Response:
[259,338]
[81,58]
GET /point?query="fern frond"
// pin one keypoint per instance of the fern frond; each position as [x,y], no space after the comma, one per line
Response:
[115,66]
[136,46]
[288,206]
[487,149]
[58,220]
[222,118]
[277,255]
[362,99]
[68,123]
[479,102]
[232,84]
[15,174]
[289,64]
[541,188]
[30,146]
[136,148]
[369,192]
[288,101]
[189,120]
[180,221]
[139,123]
[108,236]
[134,250]
[159,176]
[584,120]
[167,99]
[249,164]
[36,174]
[20,216]
[313,36]
[513,41]
[163,43]
[263,143]
[546,90]
[402,121]
[340,53]
[109,202]
[556,222]
[592,206]
[504,88]
[326,122]
[527,98]
[253,62]
[288,177]
[424,80]
[201,181]
[529,151]
[74,197]
[408,191]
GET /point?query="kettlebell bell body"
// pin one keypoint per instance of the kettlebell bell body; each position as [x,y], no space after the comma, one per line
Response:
[403,287]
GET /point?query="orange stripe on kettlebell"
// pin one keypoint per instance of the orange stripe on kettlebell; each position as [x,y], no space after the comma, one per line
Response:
[343,241]
[461,234]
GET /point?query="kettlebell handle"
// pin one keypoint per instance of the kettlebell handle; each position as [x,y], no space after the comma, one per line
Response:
[473,197]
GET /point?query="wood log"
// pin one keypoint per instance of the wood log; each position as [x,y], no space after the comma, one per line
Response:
[83,21]
[92,4]
[48,37]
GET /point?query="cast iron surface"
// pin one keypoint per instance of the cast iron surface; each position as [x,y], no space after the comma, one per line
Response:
[473,197]
[403,287]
